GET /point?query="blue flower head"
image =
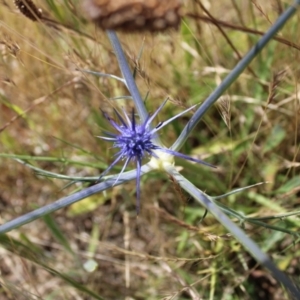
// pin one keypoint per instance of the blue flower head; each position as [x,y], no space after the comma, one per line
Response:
[136,140]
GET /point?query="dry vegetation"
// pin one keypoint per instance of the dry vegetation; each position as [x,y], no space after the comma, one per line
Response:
[49,117]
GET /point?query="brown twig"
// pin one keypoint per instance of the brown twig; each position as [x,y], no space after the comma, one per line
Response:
[240,28]
[239,56]
[277,78]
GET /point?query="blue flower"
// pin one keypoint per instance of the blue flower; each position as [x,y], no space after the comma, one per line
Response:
[135,141]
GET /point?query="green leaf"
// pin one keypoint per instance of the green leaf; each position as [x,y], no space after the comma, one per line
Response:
[275,138]
[57,232]
[290,185]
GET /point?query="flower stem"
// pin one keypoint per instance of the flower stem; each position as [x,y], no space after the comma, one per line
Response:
[130,82]
[233,75]
[71,199]
[239,234]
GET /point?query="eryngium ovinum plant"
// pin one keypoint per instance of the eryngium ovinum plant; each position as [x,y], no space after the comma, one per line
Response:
[137,138]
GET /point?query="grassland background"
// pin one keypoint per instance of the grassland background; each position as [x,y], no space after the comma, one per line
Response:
[50,116]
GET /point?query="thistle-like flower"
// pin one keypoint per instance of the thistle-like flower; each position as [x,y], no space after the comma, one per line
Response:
[136,141]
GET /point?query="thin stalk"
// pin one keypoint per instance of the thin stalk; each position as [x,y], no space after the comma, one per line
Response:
[125,70]
[71,199]
[130,82]
[48,174]
[62,160]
